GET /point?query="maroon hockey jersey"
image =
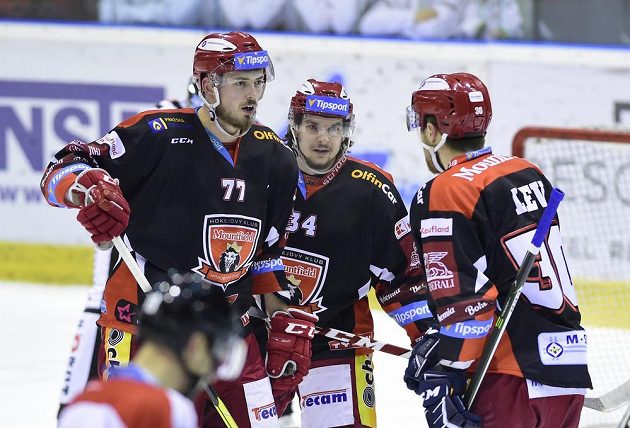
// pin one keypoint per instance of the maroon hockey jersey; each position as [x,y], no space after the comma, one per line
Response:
[194,206]
[349,232]
[474,223]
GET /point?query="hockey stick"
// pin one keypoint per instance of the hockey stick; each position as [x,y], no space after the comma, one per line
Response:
[611,400]
[132,264]
[146,287]
[515,291]
[349,340]
[355,341]
[218,404]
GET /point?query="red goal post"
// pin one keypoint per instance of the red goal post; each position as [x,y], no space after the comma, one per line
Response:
[592,167]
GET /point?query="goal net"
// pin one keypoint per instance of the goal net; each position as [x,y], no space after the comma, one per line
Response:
[593,169]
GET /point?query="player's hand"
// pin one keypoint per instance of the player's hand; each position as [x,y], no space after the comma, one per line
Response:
[289,352]
[289,345]
[104,212]
[441,390]
[423,357]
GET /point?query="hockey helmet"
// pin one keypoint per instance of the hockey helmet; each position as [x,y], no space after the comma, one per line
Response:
[220,53]
[185,305]
[459,102]
[327,99]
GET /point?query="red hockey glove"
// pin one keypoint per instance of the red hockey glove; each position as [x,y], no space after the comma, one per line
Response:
[104,210]
[289,352]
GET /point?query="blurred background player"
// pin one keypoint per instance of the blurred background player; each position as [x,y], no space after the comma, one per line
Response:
[82,364]
[189,335]
[232,181]
[473,223]
[348,233]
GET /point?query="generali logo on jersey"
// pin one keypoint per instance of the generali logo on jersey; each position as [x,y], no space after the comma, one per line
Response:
[306,273]
[229,243]
[441,279]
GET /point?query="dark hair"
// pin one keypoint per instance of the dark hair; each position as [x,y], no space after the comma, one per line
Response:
[463,145]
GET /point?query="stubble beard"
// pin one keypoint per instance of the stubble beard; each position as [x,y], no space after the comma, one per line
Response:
[241,124]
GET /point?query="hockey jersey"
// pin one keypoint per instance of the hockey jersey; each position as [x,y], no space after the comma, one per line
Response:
[349,232]
[194,205]
[130,399]
[474,223]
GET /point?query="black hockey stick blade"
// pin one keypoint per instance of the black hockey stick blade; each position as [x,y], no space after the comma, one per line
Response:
[611,400]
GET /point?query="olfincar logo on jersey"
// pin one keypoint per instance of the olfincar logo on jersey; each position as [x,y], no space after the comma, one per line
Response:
[371,177]
[325,397]
[327,105]
[251,60]
[265,412]
[436,227]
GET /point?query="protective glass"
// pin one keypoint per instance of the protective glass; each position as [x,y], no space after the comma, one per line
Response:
[336,130]
[413,120]
[229,353]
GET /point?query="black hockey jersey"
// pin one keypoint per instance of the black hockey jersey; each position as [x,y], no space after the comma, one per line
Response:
[193,205]
[474,223]
[349,232]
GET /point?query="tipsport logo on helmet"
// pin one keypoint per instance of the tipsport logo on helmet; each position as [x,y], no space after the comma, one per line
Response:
[327,105]
[251,60]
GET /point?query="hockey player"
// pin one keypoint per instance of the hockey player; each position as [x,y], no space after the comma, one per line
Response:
[188,335]
[474,222]
[348,233]
[82,364]
[187,186]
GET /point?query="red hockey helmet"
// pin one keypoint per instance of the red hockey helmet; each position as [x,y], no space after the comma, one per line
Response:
[221,53]
[459,102]
[327,99]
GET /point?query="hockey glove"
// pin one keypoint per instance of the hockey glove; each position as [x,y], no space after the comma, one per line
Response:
[441,390]
[423,357]
[289,352]
[104,212]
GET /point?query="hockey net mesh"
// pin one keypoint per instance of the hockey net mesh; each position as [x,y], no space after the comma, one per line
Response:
[593,169]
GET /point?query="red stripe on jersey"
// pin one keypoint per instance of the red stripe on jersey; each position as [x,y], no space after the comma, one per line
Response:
[373,166]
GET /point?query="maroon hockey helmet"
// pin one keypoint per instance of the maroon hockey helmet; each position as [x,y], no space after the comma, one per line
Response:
[221,53]
[327,99]
[459,102]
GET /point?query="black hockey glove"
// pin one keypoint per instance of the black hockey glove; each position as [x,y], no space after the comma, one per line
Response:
[441,390]
[423,357]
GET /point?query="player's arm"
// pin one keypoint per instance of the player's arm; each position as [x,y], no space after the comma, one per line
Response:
[267,271]
[93,177]
[399,278]
[463,300]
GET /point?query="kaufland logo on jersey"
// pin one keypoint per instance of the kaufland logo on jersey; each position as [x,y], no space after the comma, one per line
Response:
[436,227]
[327,105]
[251,60]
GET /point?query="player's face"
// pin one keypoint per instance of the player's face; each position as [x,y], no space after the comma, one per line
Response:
[239,93]
[320,139]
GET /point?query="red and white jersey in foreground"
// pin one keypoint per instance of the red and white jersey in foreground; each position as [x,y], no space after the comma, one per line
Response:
[129,399]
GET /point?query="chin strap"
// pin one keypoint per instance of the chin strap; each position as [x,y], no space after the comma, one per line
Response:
[434,152]
[214,117]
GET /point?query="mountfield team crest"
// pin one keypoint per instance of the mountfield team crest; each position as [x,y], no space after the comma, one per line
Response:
[306,273]
[229,244]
